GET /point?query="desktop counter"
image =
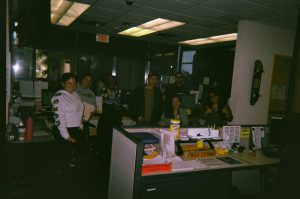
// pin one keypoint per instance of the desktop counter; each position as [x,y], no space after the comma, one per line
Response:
[205,177]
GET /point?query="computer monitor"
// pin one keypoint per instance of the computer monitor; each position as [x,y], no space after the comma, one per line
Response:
[187,101]
[47,94]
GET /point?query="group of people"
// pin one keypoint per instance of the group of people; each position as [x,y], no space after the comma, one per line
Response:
[148,106]
[68,108]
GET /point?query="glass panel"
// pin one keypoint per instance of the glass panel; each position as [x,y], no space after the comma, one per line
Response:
[188,56]
[187,68]
[22,64]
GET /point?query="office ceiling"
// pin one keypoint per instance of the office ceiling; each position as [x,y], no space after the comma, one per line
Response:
[203,18]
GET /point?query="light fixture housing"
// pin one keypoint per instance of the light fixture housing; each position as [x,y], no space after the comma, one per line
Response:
[65,12]
[149,27]
[213,39]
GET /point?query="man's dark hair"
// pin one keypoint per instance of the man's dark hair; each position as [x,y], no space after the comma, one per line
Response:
[66,76]
[153,74]
[88,74]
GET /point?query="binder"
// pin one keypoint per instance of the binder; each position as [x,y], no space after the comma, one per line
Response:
[146,138]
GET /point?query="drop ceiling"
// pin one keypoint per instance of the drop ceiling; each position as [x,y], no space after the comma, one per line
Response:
[203,18]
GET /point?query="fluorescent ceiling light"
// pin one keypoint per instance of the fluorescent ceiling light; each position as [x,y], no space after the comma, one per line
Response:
[214,39]
[65,12]
[149,27]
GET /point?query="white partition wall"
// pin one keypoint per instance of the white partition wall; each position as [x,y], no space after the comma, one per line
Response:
[123,167]
[256,41]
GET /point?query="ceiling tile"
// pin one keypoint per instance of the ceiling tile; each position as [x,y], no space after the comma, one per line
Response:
[227,5]
[183,18]
[260,2]
[283,7]
[198,11]
[209,24]
[289,23]
[98,11]
[194,2]
[231,19]
[113,5]
[170,5]
[258,13]
[151,12]
[135,18]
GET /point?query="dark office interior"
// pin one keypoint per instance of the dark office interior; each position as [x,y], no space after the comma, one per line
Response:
[29,170]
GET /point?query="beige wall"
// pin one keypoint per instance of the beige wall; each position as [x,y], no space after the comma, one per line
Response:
[255,41]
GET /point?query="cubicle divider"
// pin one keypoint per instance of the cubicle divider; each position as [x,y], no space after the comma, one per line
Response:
[126,164]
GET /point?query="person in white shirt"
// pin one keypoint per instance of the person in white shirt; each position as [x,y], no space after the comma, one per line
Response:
[68,111]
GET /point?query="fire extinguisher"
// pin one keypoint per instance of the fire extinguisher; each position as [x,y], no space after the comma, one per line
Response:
[29,129]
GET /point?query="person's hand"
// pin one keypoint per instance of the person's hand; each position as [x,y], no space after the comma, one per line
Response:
[70,139]
[228,114]
[208,111]
[215,107]
[141,118]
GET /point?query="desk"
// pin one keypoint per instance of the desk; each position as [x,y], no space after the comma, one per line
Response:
[258,160]
[253,180]
[127,181]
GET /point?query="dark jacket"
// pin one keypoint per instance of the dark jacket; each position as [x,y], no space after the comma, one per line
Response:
[173,90]
[137,104]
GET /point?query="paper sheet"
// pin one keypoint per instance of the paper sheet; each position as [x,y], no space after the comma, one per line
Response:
[179,165]
[167,141]
[212,162]
[88,109]
[257,134]
[99,100]
[231,133]
[157,160]
[26,88]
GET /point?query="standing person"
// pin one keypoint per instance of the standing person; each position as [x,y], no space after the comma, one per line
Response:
[176,88]
[84,89]
[174,111]
[147,104]
[218,112]
[111,116]
[68,112]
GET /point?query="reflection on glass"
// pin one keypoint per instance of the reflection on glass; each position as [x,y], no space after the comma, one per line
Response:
[22,63]
[41,70]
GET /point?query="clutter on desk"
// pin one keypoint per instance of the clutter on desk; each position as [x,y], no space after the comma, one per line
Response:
[156,164]
[231,133]
[191,151]
[203,133]
[146,137]
[153,161]
[175,127]
[258,133]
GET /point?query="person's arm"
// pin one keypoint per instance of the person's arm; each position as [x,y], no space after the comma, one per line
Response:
[133,106]
[184,119]
[60,117]
[208,111]
[164,120]
[227,113]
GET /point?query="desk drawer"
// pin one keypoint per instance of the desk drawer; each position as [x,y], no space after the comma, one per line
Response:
[212,185]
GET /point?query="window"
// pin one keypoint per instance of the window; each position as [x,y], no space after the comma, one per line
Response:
[187,61]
